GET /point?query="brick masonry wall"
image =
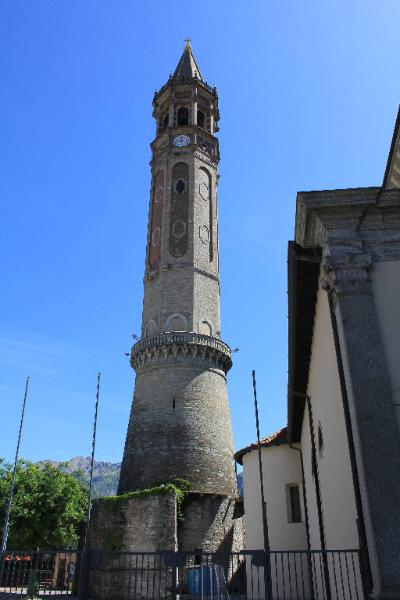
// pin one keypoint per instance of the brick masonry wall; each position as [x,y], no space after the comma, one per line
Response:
[187,284]
[179,427]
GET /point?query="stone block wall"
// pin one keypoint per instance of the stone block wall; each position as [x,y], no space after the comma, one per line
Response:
[134,524]
[122,531]
[209,524]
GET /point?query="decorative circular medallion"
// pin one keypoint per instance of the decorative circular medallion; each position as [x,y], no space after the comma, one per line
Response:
[158,195]
[204,234]
[179,229]
[155,237]
[204,190]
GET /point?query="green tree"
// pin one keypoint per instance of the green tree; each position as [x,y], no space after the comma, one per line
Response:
[49,506]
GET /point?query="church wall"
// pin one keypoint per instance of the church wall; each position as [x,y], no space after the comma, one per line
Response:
[281,466]
[333,459]
[311,496]
[386,287]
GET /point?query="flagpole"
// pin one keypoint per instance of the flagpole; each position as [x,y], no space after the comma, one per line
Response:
[11,494]
[267,569]
[90,485]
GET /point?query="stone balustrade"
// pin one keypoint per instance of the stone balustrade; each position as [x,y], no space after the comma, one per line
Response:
[181,342]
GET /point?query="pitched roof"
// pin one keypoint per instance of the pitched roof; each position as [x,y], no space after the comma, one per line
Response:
[187,67]
[392,173]
[273,439]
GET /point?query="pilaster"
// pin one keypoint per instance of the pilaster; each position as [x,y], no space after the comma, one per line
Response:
[355,228]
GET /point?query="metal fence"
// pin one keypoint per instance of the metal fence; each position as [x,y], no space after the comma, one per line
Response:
[33,573]
[247,575]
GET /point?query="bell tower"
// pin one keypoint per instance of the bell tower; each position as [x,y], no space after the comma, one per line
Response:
[182,274]
[180,424]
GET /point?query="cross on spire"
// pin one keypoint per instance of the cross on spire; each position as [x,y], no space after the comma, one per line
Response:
[187,68]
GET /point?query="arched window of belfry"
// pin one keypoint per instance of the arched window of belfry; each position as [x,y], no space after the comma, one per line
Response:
[201,119]
[183,116]
[165,120]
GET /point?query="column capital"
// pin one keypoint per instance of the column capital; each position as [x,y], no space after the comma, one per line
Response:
[354,228]
[345,271]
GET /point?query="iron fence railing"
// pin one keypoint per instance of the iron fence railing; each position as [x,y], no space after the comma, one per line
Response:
[247,575]
[33,573]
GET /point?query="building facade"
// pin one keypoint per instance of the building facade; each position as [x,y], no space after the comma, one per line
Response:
[344,382]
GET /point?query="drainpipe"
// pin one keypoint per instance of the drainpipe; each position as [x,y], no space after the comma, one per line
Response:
[303,485]
[362,537]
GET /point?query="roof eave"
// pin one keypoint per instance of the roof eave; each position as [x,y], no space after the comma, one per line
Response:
[393,145]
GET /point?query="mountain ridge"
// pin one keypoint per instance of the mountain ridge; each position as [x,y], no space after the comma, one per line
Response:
[105,474]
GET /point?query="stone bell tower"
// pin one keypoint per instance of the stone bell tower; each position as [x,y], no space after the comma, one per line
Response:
[180,424]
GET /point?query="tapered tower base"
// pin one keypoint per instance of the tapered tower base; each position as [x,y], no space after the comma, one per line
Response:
[180,423]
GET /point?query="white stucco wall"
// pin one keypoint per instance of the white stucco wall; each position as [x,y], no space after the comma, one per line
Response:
[334,468]
[386,286]
[281,466]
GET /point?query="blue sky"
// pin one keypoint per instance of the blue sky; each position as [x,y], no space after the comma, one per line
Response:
[308,97]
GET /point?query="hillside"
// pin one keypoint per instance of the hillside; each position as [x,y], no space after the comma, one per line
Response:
[105,474]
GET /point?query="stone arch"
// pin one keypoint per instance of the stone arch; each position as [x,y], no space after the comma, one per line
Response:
[205,193]
[205,327]
[183,116]
[151,328]
[179,214]
[154,240]
[201,119]
[176,322]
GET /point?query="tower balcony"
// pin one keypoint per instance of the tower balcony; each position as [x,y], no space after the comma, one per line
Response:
[181,343]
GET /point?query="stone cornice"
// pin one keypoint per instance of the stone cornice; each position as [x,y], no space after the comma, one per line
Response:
[151,350]
[354,228]
[370,216]
[340,209]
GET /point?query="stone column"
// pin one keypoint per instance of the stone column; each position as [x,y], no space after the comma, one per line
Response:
[171,115]
[212,119]
[345,268]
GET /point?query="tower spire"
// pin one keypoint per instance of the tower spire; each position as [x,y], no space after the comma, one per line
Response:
[187,67]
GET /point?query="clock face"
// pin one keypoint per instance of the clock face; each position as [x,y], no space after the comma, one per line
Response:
[181,140]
